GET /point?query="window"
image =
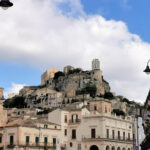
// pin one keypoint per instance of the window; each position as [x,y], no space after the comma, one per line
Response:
[107,134]
[95,107]
[129,136]
[74,118]
[45,140]
[65,132]
[36,140]
[73,134]
[93,133]
[105,109]
[65,118]
[119,135]
[133,136]
[27,139]
[71,144]
[45,126]
[54,141]
[11,140]
[113,134]
[123,135]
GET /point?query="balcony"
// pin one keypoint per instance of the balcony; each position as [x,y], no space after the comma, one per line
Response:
[11,146]
[98,138]
[39,144]
[76,121]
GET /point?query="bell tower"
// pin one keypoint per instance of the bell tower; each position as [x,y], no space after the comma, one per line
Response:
[95,64]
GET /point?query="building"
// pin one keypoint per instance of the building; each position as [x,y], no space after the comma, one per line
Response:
[94,127]
[145,145]
[3,115]
[68,68]
[95,64]
[1,93]
[30,134]
[48,74]
[45,98]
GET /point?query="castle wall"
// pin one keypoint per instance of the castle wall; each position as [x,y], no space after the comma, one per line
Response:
[50,73]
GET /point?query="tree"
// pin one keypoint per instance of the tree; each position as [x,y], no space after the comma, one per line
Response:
[15,102]
[89,89]
[109,95]
[58,74]
[118,112]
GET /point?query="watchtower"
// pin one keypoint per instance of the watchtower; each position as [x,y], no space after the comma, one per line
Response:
[95,64]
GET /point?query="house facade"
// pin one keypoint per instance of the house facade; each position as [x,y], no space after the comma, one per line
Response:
[94,127]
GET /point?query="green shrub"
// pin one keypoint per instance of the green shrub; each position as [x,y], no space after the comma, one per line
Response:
[77,70]
[74,100]
[118,112]
[109,95]
[15,102]
[58,74]
[45,111]
[89,89]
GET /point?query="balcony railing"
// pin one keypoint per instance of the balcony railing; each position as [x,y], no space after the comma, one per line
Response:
[39,144]
[75,121]
[119,139]
[10,146]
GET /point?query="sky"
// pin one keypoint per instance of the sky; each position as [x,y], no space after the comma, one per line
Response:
[40,34]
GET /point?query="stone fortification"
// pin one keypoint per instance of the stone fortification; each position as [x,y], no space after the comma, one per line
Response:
[61,87]
[48,74]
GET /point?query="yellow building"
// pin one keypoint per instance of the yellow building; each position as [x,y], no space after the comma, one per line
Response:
[48,74]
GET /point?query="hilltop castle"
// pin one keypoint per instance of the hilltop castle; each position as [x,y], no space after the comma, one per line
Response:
[61,87]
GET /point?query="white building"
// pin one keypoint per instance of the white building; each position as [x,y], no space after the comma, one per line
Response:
[95,128]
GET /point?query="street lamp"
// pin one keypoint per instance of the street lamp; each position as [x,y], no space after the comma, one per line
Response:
[147,70]
[5,4]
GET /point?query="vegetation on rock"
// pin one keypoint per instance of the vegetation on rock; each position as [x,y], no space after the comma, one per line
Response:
[118,112]
[45,111]
[58,74]
[89,89]
[15,102]
[109,96]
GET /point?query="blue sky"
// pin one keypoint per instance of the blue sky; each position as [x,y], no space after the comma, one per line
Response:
[24,57]
[135,13]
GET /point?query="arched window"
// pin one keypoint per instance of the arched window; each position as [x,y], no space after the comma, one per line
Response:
[123,149]
[118,148]
[128,148]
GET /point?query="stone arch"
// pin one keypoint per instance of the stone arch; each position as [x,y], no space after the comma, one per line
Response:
[124,149]
[113,148]
[128,148]
[107,147]
[94,147]
[118,148]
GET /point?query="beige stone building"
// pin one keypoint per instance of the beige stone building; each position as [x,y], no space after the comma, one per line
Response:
[31,134]
[45,98]
[48,74]
[94,127]
[1,93]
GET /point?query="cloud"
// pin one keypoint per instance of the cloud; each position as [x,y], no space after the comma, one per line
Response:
[45,35]
[14,89]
